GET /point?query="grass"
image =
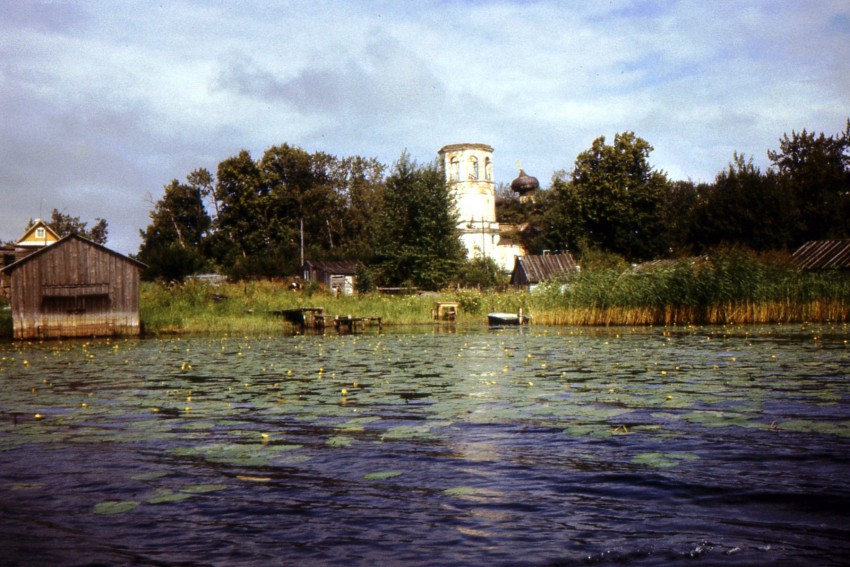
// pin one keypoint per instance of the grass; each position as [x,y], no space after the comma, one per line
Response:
[734,287]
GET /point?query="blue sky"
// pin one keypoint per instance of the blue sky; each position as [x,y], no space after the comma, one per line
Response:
[103,103]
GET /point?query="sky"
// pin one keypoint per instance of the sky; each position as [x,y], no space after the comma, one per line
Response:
[102,103]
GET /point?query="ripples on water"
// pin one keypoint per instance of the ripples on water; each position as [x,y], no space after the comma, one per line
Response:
[536,446]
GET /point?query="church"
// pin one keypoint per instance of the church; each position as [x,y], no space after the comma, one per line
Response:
[469,173]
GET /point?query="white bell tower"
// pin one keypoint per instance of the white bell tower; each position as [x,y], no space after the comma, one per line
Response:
[469,173]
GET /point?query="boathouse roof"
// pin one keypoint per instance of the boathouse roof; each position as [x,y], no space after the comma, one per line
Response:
[534,269]
[823,255]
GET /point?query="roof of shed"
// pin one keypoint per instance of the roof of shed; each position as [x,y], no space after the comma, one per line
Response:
[541,268]
[341,267]
[823,254]
[57,246]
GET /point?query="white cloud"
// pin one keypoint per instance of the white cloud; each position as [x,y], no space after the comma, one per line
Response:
[101,106]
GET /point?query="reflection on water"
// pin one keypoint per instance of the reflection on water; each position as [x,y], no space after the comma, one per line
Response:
[538,446]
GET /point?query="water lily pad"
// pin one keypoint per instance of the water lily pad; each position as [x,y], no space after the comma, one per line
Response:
[339,441]
[115,506]
[663,460]
[149,476]
[382,475]
[165,496]
[203,488]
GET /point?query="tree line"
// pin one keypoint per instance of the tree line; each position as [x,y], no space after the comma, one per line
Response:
[614,201]
[260,217]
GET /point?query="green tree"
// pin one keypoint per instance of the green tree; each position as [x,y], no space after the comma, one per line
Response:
[743,207]
[64,224]
[173,243]
[242,226]
[815,171]
[360,181]
[618,198]
[419,246]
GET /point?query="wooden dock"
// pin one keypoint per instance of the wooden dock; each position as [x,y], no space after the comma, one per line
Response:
[314,318]
[350,324]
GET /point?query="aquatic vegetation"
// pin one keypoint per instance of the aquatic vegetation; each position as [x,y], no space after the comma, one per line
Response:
[110,507]
[382,475]
[505,432]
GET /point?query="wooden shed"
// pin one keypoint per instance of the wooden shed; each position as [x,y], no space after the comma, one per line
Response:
[530,271]
[74,288]
[339,276]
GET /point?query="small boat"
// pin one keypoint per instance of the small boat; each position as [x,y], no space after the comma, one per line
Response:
[507,319]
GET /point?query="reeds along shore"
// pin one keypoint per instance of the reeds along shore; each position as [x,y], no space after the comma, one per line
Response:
[735,288]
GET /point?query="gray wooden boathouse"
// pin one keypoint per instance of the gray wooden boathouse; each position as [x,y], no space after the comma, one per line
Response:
[74,288]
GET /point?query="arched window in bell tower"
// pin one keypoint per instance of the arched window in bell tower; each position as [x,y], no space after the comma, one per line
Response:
[473,168]
[454,170]
[488,169]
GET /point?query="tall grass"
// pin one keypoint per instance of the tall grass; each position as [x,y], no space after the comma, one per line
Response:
[250,307]
[731,287]
[728,288]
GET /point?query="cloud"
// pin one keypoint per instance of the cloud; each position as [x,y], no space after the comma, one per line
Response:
[102,107]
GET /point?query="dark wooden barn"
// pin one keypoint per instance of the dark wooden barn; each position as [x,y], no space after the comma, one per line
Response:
[531,271]
[74,288]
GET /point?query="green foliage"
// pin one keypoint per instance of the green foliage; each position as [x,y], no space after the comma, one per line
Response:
[482,273]
[615,199]
[419,245]
[64,224]
[170,262]
[172,245]
[815,171]
[743,207]
[364,279]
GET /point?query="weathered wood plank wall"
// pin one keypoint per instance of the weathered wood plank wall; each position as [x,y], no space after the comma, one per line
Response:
[75,288]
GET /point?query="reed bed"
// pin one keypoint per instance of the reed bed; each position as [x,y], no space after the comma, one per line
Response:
[731,288]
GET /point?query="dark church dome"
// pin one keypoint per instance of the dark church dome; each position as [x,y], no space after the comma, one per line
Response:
[524,183]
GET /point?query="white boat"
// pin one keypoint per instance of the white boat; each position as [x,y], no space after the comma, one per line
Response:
[507,318]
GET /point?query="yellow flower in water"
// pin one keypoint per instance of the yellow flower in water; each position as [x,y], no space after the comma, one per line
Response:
[344,391]
[39,416]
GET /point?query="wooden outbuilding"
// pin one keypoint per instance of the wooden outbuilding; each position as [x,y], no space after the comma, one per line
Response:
[339,275]
[530,271]
[74,288]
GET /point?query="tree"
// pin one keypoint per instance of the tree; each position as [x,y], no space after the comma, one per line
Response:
[241,222]
[65,224]
[815,171]
[360,182]
[743,206]
[614,201]
[419,246]
[173,243]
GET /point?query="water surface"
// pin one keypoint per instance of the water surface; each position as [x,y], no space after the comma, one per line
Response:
[534,446]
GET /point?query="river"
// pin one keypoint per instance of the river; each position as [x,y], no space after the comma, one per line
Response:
[534,446]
